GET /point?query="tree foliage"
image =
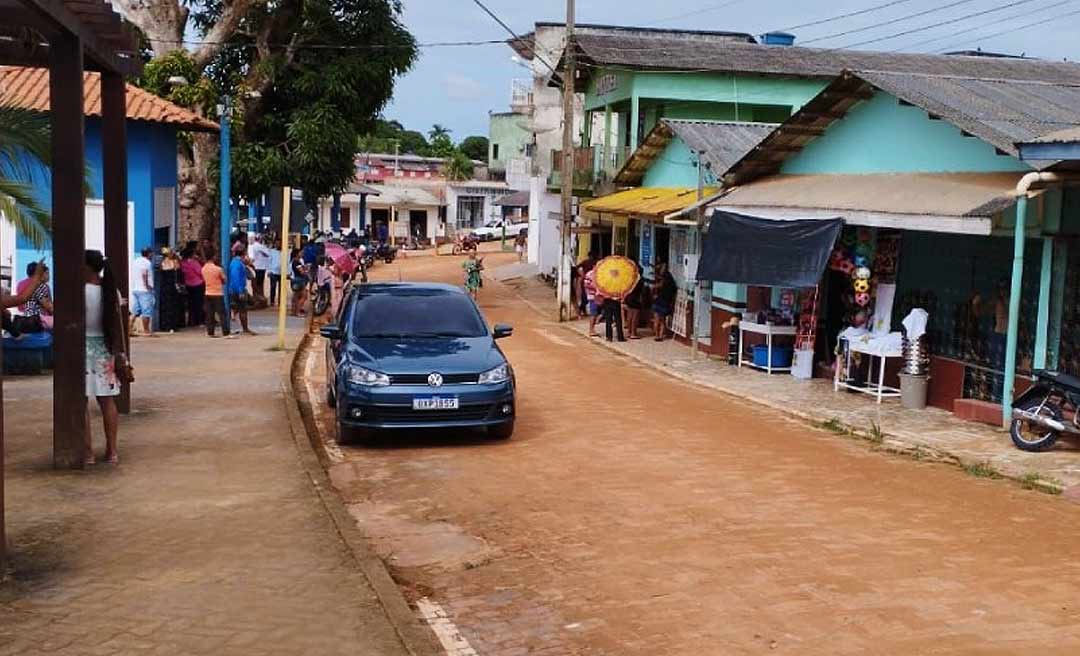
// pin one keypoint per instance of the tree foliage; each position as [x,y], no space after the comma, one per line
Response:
[25,154]
[475,147]
[458,166]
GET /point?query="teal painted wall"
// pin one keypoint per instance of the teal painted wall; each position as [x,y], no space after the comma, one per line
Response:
[883,136]
[707,87]
[509,132]
[675,167]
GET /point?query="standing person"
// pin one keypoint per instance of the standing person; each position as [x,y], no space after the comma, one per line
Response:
[593,299]
[584,267]
[472,267]
[106,359]
[520,242]
[664,305]
[191,273]
[173,291]
[142,291]
[260,259]
[205,252]
[239,298]
[273,269]
[612,308]
[298,282]
[632,302]
[214,278]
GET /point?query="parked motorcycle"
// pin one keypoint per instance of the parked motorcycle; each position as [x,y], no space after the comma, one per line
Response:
[466,243]
[1045,411]
[386,252]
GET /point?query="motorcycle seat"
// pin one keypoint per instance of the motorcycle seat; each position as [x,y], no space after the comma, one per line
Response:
[1063,379]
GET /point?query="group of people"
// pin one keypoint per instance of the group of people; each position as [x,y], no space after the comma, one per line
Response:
[617,311]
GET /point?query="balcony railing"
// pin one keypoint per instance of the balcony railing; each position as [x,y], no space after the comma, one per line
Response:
[591,166]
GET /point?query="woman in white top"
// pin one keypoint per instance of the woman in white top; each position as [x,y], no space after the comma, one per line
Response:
[104,351]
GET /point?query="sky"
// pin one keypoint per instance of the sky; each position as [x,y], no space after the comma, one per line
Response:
[458,86]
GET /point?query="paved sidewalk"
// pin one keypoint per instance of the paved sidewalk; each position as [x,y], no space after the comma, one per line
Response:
[927,434]
[207,539]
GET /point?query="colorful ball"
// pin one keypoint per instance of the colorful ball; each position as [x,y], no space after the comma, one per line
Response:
[862,299]
[862,273]
[861,286]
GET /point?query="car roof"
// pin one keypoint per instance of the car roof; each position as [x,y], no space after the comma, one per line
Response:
[407,289]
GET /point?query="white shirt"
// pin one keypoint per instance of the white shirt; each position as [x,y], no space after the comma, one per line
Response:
[142,275]
[260,256]
[93,311]
[273,262]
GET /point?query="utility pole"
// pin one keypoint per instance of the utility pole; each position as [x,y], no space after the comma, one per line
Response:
[225,170]
[697,249]
[567,180]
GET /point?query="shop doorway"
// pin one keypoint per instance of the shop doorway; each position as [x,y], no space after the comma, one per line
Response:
[345,218]
[380,224]
[661,245]
[633,245]
[418,225]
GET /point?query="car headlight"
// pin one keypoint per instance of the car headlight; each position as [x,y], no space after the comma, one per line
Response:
[366,377]
[499,374]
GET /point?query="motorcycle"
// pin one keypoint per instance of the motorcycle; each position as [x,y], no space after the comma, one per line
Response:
[465,243]
[1039,414]
[386,252]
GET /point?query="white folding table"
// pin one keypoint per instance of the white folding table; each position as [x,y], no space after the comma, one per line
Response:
[769,330]
[880,389]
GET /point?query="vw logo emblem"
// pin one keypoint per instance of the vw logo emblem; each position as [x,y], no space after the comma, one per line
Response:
[434,380]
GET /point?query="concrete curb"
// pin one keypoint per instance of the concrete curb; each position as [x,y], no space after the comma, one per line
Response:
[882,441]
[416,636]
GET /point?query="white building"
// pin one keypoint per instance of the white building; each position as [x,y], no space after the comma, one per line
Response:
[400,210]
[471,203]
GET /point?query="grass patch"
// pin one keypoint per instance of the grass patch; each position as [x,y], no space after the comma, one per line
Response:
[982,470]
[874,434]
[1039,483]
[834,425]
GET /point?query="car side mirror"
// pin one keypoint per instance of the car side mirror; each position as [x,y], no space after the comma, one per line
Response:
[330,332]
[502,330]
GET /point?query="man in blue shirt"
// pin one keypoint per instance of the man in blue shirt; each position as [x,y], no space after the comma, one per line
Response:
[239,298]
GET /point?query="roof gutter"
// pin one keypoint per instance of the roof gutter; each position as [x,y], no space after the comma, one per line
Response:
[674,216]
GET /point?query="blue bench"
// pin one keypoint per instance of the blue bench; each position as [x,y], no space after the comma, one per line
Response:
[29,355]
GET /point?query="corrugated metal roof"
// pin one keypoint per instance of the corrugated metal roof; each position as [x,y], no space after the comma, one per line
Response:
[395,195]
[1068,135]
[723,142]
[646,201]
[29,88]
[1000,112]
[515,199]
[922,194]
[660,52]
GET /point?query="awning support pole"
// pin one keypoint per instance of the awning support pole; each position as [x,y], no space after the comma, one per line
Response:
[1014,309]
[1043,323]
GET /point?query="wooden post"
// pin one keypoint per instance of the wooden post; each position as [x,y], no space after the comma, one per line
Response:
[114,163]
[69,231]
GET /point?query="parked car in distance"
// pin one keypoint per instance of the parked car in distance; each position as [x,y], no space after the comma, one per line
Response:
[416,355]
[494,230]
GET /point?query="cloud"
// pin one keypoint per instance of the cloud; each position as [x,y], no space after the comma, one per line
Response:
[461,87]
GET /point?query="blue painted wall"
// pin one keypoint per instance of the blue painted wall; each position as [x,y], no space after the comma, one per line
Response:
[883,136]
[151,163]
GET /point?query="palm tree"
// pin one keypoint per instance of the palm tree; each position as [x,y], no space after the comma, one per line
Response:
[458,167]
[25,155]
[437,131]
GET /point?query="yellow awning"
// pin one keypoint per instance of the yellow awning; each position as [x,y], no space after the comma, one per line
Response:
[646,201]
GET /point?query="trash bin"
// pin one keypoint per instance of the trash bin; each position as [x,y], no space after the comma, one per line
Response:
[913,391]
[803,366]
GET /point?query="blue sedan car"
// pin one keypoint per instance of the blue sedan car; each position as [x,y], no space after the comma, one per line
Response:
[416,355]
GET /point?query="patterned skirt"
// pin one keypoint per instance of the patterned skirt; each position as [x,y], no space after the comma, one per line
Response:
[101,378]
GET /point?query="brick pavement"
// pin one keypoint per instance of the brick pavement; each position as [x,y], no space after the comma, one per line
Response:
[633,513]
[930,434]
[207,539]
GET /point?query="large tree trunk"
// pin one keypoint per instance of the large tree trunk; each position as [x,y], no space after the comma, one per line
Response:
[198,216]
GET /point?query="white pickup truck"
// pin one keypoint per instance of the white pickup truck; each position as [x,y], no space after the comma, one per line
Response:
[494,230]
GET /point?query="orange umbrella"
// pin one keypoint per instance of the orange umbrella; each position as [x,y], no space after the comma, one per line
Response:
[616,276]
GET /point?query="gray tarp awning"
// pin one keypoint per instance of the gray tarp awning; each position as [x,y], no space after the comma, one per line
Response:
[755,251]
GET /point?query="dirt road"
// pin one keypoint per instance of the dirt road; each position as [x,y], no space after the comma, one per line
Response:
[634,514]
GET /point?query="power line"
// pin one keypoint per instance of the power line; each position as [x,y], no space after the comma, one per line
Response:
[1014,29]
[892,21]
[860,12]
[939,24]
[332,46]
[999,21]
[506,27]
[696,12]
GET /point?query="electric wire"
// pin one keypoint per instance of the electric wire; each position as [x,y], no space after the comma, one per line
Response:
[506,27]
[696,12]
[1013,29]
[891,21]
[832,19]
[951,21]
[968,30]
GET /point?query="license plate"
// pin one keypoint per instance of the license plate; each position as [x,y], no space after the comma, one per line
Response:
[435,403]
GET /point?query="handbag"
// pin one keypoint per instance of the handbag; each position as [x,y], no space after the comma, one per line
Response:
[124,371]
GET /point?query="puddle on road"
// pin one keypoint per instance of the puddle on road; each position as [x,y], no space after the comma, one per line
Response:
[406,542]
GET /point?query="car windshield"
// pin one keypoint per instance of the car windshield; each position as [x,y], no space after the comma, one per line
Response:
[418,313]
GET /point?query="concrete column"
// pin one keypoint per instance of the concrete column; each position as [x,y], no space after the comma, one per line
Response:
[607,137]
[335,214]
[635,107]
[1042,324]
